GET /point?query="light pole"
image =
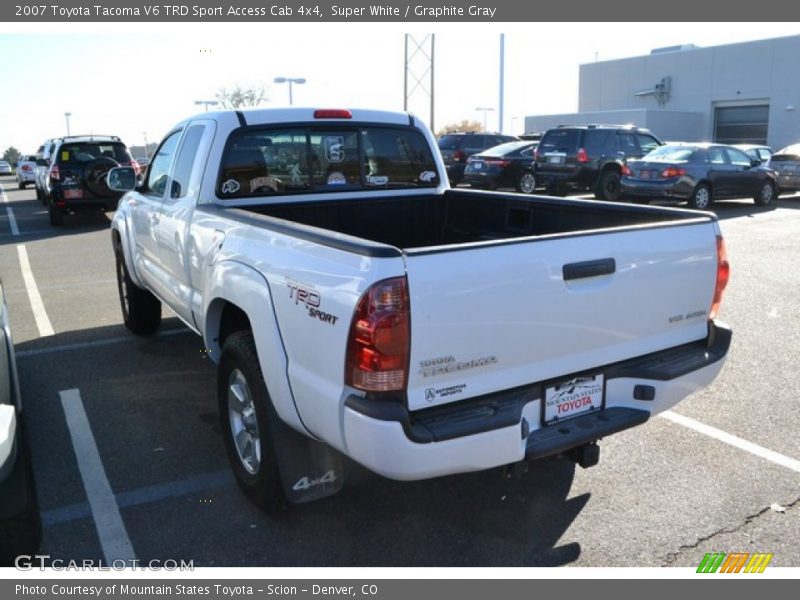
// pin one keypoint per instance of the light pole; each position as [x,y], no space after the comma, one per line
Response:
[146,155]
[206,103]
[485,109]
[67,115]
[290,81]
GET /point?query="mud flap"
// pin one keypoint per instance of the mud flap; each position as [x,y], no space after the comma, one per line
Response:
[309,469]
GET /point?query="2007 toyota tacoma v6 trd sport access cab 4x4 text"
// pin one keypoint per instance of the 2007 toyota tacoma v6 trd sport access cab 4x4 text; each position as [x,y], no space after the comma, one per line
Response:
[356,305]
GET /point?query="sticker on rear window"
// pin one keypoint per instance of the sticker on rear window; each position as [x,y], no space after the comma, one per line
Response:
[65,156]
[427,176]
[377,179]
[336,178]
[230,187]
[334,148]
[259,183]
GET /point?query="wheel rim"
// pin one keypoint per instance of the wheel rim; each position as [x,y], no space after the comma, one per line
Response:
[527,183]
[766,193]
[123,288]
[244,426]
[611,188]
[702,197]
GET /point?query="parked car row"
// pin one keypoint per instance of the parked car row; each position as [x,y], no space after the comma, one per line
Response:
[617,162]
[70,174]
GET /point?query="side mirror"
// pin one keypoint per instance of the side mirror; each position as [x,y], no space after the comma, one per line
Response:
[40,162]
[121,179]
[754,162]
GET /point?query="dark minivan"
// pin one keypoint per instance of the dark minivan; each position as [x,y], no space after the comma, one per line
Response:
[589,157]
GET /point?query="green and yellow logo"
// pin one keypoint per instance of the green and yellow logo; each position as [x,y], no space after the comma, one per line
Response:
[735,562]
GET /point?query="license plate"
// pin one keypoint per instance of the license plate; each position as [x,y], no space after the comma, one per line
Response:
[72,194]
[573,397]
[476,165]
[556,159]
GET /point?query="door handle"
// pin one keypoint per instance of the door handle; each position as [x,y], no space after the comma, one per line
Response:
[589,268]
[153,219]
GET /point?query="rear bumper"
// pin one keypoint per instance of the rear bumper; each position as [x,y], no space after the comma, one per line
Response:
[506,427]
[668,190]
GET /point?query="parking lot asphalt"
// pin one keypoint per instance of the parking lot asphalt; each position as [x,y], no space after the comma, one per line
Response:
[721,475]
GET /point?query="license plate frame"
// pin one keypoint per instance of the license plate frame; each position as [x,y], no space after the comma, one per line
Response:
[577,395]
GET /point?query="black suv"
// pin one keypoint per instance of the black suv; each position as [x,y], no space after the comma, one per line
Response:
[458,146]
[589,157]
[76,177]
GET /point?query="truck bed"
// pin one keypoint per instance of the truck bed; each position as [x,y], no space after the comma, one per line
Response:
[464,216]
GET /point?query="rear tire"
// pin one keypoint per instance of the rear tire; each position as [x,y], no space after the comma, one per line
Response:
[766,194]
[608,188]
[701,197]
[526,182]
[141,310]
[245,413]
[56,216]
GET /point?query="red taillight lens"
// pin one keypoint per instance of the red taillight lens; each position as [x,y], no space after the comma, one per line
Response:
[332,113]
[723,274]
[26,168]
[626,171]
[459,155]
[536,155]
[671,172]
[55,173]
[582,156]
[379,341]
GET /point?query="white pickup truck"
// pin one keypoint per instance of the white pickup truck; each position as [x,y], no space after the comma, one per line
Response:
[356,305]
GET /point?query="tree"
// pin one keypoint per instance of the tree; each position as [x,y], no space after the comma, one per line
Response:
[464,125]
[239,96]
[12,155]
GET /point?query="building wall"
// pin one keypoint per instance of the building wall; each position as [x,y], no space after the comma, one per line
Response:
[762,72]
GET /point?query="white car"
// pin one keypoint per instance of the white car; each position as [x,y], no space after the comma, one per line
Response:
[20,525]
[26,170]
[357,305]
[5,168]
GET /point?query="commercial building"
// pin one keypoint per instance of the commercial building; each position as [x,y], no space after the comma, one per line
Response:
[736,93]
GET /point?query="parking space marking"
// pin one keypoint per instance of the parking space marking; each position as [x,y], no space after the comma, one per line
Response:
[733,440]
[12,221]
[39,313]
[93,344]
[144,495]
[110,529]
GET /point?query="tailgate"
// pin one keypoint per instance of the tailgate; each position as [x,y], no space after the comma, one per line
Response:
[495,317]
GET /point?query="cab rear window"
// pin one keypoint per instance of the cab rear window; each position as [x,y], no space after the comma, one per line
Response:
[88,152]
[261,161]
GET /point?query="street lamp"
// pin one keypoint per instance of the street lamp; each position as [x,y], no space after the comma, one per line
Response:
[206,103]
[67,115]
[485,109]
[146,155]
[290,81]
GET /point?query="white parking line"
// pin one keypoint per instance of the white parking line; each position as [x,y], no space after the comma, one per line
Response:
[12,221]
[110,529]
[735,441]
[39,313]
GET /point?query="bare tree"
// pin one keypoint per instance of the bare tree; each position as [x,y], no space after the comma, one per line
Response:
[240,96]
[463,125]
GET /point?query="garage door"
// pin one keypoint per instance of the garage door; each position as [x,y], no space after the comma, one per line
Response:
[741,124]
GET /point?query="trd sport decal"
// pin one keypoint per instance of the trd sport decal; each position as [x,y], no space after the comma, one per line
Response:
[311,300]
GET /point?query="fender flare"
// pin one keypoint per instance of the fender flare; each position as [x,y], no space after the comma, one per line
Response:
[119,225]
[233,282]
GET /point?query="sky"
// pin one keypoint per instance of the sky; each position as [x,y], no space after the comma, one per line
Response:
[136,80]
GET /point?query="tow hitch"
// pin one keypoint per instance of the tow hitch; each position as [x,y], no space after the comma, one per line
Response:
[586,456]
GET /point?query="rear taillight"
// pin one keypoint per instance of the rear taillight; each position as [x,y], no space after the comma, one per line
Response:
[379,341]
[498,163]
[459,155]
[626,171]
[26,168]
[723,274]
[671,172]
[55,173]
[536,155]
[582,157]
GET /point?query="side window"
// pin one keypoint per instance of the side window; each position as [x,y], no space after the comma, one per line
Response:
[158,172]
[716,156]
[185,161]
[474,143]
[395,157]
[627,143]
[597,141]
[647,142]
[738,158]
[527,152]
